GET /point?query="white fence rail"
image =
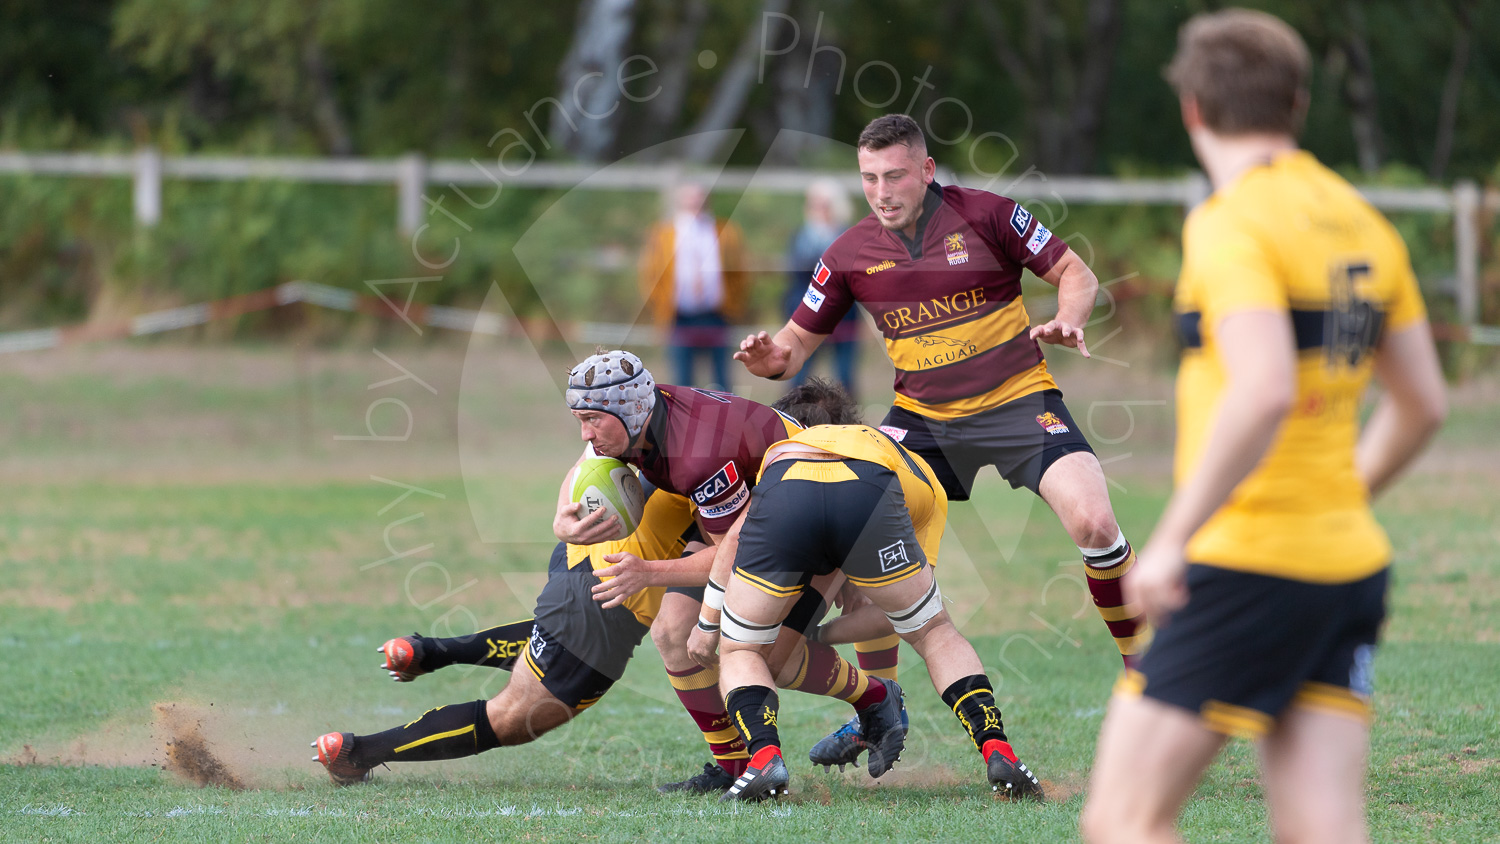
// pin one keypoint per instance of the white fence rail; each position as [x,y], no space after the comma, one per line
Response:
[411,174]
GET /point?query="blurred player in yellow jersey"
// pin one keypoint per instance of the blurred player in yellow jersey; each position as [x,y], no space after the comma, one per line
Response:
[1267,572]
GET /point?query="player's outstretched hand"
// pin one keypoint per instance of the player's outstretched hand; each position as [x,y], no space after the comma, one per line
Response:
[762,356]
[703,647]
[626,575]
[1157,583]
[568,526]
[1060,333]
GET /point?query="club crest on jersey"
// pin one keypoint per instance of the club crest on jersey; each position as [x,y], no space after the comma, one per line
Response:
[953,244]
[1038,239]
[1051,423]
[716,485]
[1020,220]
[821,273]
[893,557]
[812,298]
[897,434]
[735,502]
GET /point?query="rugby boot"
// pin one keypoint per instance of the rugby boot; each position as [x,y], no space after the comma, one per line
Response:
[403,658]
[766,781]
[1009,775]
[713,780]
[882,729]
[334,751]
[842,746]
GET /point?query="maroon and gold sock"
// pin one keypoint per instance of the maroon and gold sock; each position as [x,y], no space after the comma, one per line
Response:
[698,689]
[878,657]
[824,672]
[1105,567]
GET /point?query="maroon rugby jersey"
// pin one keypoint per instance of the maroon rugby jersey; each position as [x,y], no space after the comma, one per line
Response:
[947,302]
[708,446]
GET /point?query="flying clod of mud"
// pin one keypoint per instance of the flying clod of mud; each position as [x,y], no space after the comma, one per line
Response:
[188,753]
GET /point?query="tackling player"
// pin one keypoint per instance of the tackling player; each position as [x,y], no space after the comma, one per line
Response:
[1267,571]
[707,446]
[939,269]
[847,499]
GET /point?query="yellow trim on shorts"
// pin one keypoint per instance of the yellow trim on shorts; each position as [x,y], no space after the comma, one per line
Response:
[1234,720]
[425,739]
[586,703]
[883,581]
[1120,613]
[766,586]
[1335,700]
[531,663]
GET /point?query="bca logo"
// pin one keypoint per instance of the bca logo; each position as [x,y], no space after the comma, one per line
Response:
[716,485]
[1020,221]
[893,557]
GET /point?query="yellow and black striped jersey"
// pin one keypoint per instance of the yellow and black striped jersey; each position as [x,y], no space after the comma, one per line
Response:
[1292,236]
[925,498]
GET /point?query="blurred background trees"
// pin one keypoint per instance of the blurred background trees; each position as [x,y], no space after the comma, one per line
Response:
[1404,91]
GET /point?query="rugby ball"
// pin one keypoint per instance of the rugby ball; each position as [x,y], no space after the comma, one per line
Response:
[608,484]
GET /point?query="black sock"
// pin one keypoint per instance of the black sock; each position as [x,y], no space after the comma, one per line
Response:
[753,710]
[448,732]
[972,699]
[497,647]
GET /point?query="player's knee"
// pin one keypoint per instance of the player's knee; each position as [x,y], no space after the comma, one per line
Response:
[1105,821]
[1095,526]
[668,637]
[914,622]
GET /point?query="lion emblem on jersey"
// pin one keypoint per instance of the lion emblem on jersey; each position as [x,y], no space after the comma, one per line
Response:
[958,253]
[1051,423]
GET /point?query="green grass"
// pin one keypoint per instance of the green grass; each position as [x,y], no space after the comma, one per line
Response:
[133,606]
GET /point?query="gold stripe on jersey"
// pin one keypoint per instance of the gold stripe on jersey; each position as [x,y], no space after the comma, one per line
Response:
[821,471]
[1033,380]
[941,345]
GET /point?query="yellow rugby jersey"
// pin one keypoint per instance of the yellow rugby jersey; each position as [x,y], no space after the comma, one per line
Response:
[1292,236]
[658,537]
[925,498]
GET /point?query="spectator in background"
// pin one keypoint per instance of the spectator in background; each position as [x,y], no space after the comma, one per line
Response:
[692,276]
[825,216]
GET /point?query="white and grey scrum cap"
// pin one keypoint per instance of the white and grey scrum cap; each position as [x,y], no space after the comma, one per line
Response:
[617,383]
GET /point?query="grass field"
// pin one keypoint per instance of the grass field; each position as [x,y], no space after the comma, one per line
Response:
[189,571]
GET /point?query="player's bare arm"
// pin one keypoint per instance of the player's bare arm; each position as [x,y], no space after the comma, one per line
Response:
[779,357]
[1259,355]
[1409,412]
[567,524]
[628,574]
[1077,287]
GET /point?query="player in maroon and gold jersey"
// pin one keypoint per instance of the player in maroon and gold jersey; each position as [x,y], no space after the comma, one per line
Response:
[707,447]
[939,269]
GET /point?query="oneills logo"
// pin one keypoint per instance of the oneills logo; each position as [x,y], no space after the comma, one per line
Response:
[883,265]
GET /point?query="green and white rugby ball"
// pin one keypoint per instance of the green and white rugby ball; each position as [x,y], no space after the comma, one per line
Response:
[608,484]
